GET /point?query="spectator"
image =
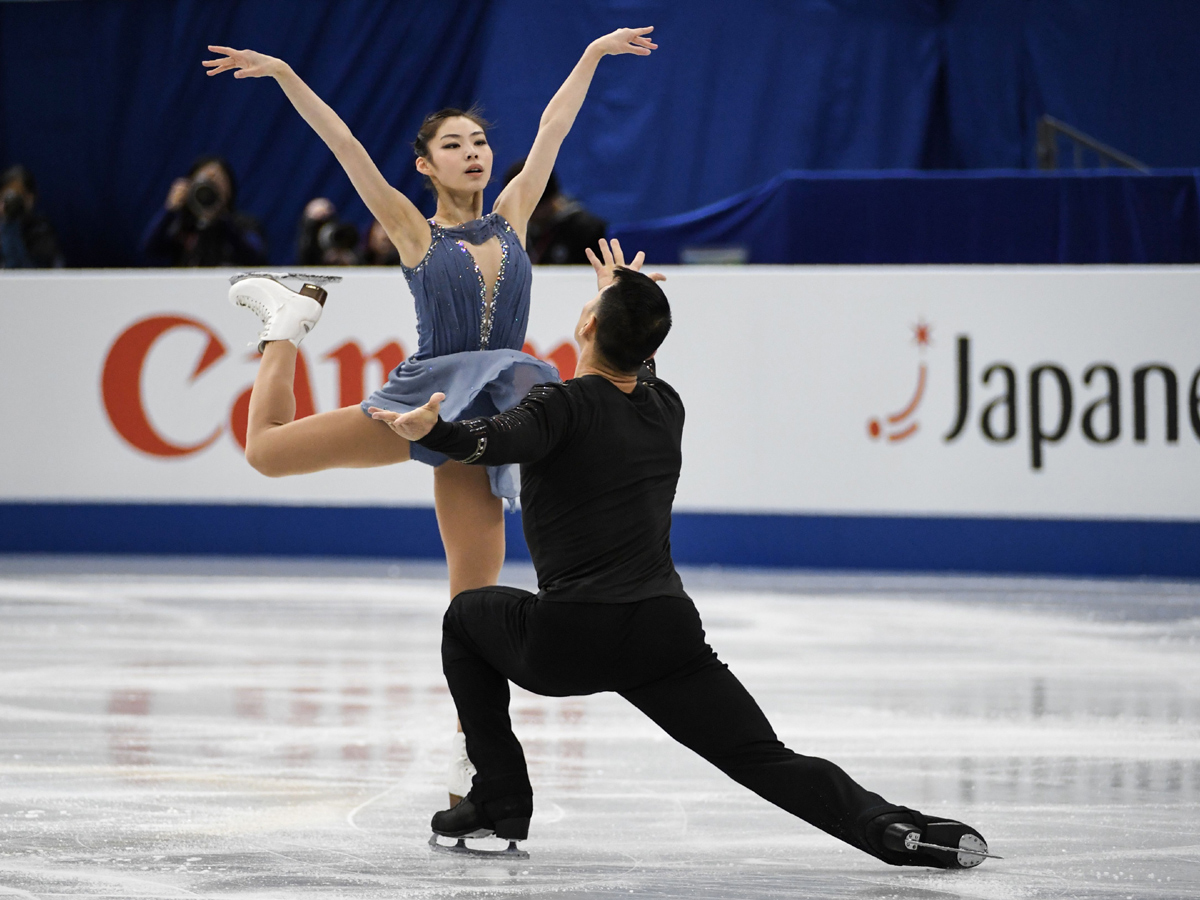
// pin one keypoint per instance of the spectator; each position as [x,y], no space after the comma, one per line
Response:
[560,229]
[27,239]
[379,249]
[199,224]
[322,240]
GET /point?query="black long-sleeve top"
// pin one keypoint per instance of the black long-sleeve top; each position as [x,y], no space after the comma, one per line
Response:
[598,474]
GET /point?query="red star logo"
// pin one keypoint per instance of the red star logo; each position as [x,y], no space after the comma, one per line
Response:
[922,334]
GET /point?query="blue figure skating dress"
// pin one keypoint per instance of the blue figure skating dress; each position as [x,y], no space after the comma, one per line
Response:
[468,349]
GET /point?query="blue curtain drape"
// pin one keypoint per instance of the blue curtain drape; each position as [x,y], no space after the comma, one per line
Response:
[994,217]
[106,101]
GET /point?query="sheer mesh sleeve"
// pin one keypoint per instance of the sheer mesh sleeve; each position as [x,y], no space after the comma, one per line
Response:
[524,434]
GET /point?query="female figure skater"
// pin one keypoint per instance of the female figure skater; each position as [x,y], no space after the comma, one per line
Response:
[470,278]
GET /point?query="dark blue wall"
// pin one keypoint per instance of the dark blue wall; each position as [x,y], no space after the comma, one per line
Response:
[106,99]
[872,543]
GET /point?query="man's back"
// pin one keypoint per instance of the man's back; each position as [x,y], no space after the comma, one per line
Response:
[597,505]
[599,468]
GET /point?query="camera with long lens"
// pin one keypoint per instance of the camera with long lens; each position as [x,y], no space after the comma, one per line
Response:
[335,235]
[204,198]
[13,204]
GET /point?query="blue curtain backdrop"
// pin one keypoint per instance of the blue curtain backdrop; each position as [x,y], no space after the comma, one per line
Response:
[744,91]
[989,216]
[106,100]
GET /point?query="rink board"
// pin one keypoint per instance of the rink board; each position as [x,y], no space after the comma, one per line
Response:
[942,418]
[871,543]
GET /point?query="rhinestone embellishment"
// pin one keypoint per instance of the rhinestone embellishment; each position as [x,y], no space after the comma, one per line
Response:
[487,308]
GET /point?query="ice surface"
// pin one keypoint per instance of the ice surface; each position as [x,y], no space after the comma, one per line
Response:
[233,729]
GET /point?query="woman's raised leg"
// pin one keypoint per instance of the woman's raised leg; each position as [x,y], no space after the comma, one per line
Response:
[277,445]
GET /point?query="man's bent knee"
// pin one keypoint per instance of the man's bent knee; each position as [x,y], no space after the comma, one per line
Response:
[463,602]
[474,603]
[459,607]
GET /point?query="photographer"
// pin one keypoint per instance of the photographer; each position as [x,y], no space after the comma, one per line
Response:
[199,224]
[560,229]
[27,240]
[379,249]
[322,240]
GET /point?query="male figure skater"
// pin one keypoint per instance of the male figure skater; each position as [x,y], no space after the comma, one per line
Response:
[600,458]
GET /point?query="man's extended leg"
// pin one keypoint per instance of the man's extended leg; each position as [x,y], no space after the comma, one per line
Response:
[699,702]
[654,654]
[707,709]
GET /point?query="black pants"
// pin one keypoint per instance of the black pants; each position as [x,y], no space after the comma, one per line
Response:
[653,654]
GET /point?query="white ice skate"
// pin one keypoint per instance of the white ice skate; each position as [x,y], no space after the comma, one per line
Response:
[286,315]
[461,771]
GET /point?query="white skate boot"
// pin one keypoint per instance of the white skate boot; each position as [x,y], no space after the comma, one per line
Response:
[286,315]
[461,771]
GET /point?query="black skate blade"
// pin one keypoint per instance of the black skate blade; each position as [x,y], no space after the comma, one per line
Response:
[460,848]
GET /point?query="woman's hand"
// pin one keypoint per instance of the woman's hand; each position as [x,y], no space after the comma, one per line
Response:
[248,63]
[412,426]
[624,40]
[612,257]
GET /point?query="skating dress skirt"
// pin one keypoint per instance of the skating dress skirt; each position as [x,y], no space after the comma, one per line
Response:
[468,349]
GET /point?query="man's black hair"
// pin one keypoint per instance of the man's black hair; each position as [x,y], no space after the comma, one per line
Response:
[632,319]
[21,174]
[202,161]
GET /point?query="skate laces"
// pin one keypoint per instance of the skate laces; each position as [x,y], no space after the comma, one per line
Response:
[256,306]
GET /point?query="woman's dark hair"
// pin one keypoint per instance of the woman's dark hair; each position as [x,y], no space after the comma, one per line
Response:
[433,121]
[202,161]
[632,319]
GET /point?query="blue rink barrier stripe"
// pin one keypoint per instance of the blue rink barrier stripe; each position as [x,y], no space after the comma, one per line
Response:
[875,543]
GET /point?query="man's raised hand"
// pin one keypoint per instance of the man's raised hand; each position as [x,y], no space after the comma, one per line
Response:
[412,426]
[612,257]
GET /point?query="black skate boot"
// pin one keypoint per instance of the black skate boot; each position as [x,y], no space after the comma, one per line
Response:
[506,818]
[909,838]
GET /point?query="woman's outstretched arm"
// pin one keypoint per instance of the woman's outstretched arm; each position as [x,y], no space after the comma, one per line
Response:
[401,220]
[516,202]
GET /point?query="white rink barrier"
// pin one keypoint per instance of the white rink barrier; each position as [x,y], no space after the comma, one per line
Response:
[845,410]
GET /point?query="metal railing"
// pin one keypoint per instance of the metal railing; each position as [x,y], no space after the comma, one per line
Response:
[1050,129]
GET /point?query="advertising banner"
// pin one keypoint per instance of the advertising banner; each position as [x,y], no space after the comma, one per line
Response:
[135,386]
[1011,393]
[971,391]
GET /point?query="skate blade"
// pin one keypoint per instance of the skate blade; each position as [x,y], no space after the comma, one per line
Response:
[280,276]
[460,848]
[967,850]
